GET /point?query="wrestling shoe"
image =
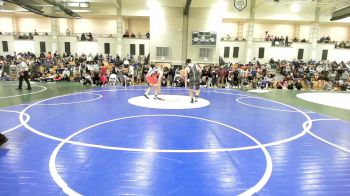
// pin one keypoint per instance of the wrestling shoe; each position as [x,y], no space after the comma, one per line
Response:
[158,98]
[3,139]
[146,96]
[191,100]
[196,99]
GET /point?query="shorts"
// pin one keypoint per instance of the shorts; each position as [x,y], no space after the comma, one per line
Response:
[193,86]
[152,80]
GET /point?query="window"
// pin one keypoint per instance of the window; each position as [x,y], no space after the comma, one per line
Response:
[261,53]
[205,52]
[226,52]
[162,51]
[324,54]
[42,47]
[235,52]
[142,49]
[300,54]
[5,47]
[107,48]
[132,49]
[67,47]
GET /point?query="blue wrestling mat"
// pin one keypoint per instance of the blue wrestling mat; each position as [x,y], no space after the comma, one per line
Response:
[111,141]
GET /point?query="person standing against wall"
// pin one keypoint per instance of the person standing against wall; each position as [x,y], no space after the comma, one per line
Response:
[23,74]
[192,77]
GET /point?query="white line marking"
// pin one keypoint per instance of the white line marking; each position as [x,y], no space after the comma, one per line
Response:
[266,108]
[250,191]
[18,126]
[228,93]
[326,141]
[307,126]
[134,89]
[171,102]
[68,103]
[42,90]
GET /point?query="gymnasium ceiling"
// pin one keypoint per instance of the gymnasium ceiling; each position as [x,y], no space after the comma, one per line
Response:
[132,8]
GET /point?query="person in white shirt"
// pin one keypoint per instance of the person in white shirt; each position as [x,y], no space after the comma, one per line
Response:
[66,74]
[113,79]
[131,74]
[23,74]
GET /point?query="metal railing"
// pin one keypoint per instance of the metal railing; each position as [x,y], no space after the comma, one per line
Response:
[232,39]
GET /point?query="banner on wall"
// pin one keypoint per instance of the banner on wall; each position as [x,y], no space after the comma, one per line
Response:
[240,4]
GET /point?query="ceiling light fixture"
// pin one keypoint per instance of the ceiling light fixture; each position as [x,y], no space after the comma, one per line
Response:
[152,3]
[222,4]
[295,7]
[7,11]
[81,11]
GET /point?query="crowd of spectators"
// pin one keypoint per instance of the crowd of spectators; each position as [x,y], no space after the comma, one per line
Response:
[325,39]
[281,40]
[86,37]
[132,35]
[87,69]
[342,44]
[277,41]
[30,35]
[323,75]
[101,70]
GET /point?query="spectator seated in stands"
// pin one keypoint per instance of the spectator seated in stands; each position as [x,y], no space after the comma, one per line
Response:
[103,80]
[68,32]
[133,35]
[57,77]
[328,85]
[24,36]
[113,80]
[46,77]
[126,34]
[280,85]
[325,39]
[147,35]
[66,75]
[87,79]
[30,36]
[83,37]
[89,36]
[5,77]
[298,85]
[35,33]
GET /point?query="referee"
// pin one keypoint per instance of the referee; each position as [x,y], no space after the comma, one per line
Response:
[23,74]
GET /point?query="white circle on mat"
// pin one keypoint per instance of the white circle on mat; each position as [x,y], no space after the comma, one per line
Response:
[170,102]
[259,91]
[338,100]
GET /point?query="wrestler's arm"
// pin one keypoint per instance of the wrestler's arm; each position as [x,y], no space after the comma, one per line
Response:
[186,76]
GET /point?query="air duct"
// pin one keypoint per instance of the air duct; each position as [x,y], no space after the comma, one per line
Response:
[341,13]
